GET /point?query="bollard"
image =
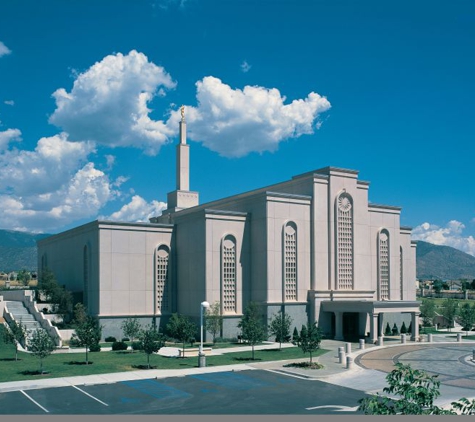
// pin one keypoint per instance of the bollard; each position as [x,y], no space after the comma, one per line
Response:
[459,337]
[340,350]
[403,338]
[347,348]
[342,356]
[429,338]
[349,362]
[362,342]
[380,340]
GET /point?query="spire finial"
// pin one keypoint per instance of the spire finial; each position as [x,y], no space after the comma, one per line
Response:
[182,113]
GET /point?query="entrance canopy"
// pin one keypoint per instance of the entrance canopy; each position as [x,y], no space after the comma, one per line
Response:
[372,309]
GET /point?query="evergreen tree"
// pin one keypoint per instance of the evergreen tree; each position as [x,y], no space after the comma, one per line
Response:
[253,330]
[395,330]
[279,327]
[387,332]
[41,345]
[403,328]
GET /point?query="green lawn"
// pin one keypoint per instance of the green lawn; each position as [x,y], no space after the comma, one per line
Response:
[72,364]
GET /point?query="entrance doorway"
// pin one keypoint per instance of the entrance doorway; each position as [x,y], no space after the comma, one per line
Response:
[351,326]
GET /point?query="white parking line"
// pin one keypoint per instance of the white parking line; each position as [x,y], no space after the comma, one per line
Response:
[290,375]
[92,397]
[34,401]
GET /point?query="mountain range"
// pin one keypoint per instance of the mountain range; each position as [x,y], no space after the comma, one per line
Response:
[18,251]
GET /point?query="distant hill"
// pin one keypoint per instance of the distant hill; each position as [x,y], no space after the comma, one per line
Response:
[18,250]
[443,262]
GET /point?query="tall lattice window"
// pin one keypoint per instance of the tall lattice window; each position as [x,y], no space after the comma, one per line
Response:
[401,272]
[228,272]
[162,279]
[344,241]
[290,262]
[85,275]
[383,261]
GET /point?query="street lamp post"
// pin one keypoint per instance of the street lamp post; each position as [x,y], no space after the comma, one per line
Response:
[201,355]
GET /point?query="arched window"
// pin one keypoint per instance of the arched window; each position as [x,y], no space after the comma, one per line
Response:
[383,264]
[344,242]
[162,286]
[401,272]
[290,261]
[85,262]
[228,274]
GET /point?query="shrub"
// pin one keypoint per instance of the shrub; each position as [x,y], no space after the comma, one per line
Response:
[387,332]
[403,328]
[136,345]
[110,339]
[126,339]
[95,347]
[395,330]
[73,342]
[119,345]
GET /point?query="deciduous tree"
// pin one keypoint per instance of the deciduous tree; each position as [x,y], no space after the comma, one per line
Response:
[279,326]
[182,329]
[41,345]
[251,325]
[310,338]
[16,334]
[151,341]
[214,320]
[131,328]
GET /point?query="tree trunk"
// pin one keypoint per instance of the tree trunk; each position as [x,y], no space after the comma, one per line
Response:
[87,361]
[310,358]
[148,361]
[253,352]
[16,351]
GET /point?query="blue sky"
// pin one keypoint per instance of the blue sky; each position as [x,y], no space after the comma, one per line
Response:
[90,94]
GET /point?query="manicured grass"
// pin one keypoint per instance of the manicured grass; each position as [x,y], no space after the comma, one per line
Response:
[73,364]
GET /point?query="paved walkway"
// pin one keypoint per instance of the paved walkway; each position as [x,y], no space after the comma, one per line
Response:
[367,371]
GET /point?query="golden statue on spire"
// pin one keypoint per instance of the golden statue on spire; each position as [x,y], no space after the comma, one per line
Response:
[182,113]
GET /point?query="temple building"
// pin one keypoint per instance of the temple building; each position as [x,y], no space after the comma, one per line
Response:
[313,247]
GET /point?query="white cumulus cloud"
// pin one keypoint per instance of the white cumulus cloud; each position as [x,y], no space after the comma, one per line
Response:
[450,235]
[108,103]
[4,50]
[52,186]
[9,102]
[137,210]
[235,122]
[8,136]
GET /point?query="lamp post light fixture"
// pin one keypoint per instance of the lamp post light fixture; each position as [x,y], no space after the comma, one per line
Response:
[201,355]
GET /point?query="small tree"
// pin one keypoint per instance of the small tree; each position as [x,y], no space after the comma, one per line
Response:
[182,329]
[16,334]
[24,276]
[403,328]
[466,317]
[253,330]
[88,331]
[279,327]
[214,320]
[131,328]
[395,330]
[41,345]
[449,311]
[295,336]
[387,331]
[427,312]
[417,392]
[151,341]
[310,338]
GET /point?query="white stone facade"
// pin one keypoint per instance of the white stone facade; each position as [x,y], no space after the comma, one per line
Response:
[312,246]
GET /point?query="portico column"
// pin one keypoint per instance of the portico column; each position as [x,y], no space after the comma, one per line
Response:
[338,325]
[415,325]
[373,326]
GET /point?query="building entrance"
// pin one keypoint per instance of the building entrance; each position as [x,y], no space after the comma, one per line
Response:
[351,326]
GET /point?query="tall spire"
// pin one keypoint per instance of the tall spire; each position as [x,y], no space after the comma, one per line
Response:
[182,157]
[182,197]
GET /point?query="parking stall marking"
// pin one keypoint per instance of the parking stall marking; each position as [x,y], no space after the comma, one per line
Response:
[91,396]
[34,401]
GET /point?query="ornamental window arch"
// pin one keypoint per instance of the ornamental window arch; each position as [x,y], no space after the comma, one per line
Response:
[344,242]
[383,265]
[162,279]
[289,259]
[228,274]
